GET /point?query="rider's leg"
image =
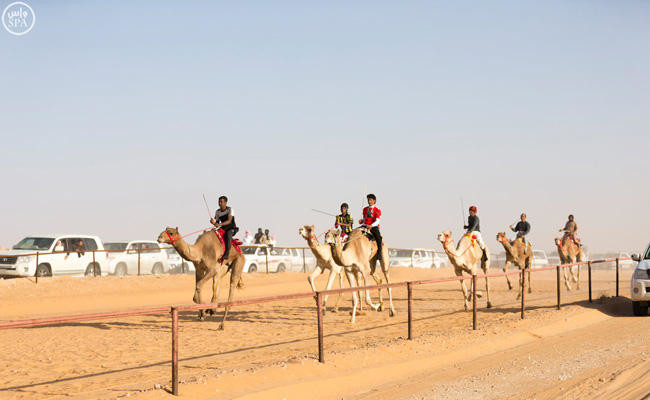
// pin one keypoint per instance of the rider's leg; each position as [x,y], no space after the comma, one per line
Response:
[227,239]
[377,235]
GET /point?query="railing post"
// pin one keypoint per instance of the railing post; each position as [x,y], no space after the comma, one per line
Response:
[557,273]
[319,310]
[174,351]
[36,271]
[304,262]
[411,258]
[94,265]
[138,261]
[617,273]
[523,291]
[589,270]
[266,254]
[409,290]
[474,284]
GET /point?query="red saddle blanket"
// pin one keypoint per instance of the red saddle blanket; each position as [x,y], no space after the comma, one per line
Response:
[235,242]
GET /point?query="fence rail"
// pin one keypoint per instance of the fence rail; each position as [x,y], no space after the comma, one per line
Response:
[318,296]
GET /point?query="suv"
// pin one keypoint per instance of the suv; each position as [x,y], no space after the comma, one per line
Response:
[62,255]
[640,284]
[123,259]
[256,257]
[417,258]
[539,259]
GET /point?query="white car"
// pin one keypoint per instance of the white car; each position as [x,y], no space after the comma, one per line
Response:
[297,262]
[64,255]
[418,258]
[640,284]
[123,259]
[257,256]
[539,259]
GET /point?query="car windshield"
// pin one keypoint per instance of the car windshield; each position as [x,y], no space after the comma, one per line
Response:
[539,254]
[170,250]
[249,250]
[115,246]
[401,253]
[647,254]
[34,243]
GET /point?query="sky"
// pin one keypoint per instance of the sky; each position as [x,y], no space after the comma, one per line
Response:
[117,116]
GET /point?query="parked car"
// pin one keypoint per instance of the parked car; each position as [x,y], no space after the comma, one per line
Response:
[151,258]
[539,259]
[640,283]
[72,255]
[554,260]
[416,258]
[175,263]
[296,258]
[257,256]
[625,264]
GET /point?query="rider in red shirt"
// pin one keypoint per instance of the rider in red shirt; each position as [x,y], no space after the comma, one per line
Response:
[370,220]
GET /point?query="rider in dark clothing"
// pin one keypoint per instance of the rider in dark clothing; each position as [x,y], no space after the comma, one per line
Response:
[224,218]
[522,228]
[371,218]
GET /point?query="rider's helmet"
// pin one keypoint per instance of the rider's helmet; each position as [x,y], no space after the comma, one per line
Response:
[473,208]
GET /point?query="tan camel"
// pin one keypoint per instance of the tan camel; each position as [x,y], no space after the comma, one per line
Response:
[569,253]
[465,258]
[204,254]
[519,254]
[358,257]
[324,262]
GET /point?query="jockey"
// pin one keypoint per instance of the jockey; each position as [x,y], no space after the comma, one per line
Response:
[570,229]
[345,221]
[224,218]
[522,228]
[370,220]
[474,227]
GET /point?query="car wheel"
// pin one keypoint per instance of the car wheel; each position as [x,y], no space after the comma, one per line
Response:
[120,270]
[157,269]
[93,270]
[638,309]
[43,270]
[282,268]
[252,268]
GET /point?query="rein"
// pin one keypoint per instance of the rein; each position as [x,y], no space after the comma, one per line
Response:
[172,240]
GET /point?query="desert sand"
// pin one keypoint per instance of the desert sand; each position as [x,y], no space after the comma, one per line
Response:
[269,351]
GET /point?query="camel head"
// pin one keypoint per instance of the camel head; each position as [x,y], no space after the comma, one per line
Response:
[501,237]
[445,237]
[169,235]
[332,237]
[306,231]
[558,242]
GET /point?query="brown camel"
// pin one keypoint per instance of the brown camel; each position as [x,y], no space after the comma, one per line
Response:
[465,258]
[204,254]
[324,261]
[569,253]
[519,254]
[358,257]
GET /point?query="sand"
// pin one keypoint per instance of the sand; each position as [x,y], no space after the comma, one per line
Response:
[269,351]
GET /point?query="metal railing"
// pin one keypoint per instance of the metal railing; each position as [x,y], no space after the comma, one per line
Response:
[318,296]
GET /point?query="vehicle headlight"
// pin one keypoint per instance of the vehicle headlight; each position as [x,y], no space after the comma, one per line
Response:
[642,274]
[25,259]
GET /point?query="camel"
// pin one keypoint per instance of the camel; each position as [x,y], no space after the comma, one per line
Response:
[324,261]
[359,258]
[569,253]
[465,258]
[204,254]
[519,254]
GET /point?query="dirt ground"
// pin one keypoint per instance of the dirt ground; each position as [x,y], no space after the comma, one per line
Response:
[269,351]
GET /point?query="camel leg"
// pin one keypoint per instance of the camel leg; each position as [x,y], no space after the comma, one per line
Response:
[505,269]
[384,270]
[330,282]
[377,279]
[236,270]
[355,298]
[567,281]
[577,279]
[368,299]
[340,275]
[530,289]
[317,271]
[485,265]
[209,274]
[459,272]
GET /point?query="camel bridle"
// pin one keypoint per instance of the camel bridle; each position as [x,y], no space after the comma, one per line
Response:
[171,237]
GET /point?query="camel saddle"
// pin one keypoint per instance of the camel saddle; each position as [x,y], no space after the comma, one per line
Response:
[472,239]
[234,242]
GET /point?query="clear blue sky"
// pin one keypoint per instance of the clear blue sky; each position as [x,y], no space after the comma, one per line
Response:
[117,116]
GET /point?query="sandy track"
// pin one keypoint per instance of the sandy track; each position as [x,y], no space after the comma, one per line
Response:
[268,350]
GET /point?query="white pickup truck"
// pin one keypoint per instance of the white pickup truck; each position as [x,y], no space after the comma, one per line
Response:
[59,255]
